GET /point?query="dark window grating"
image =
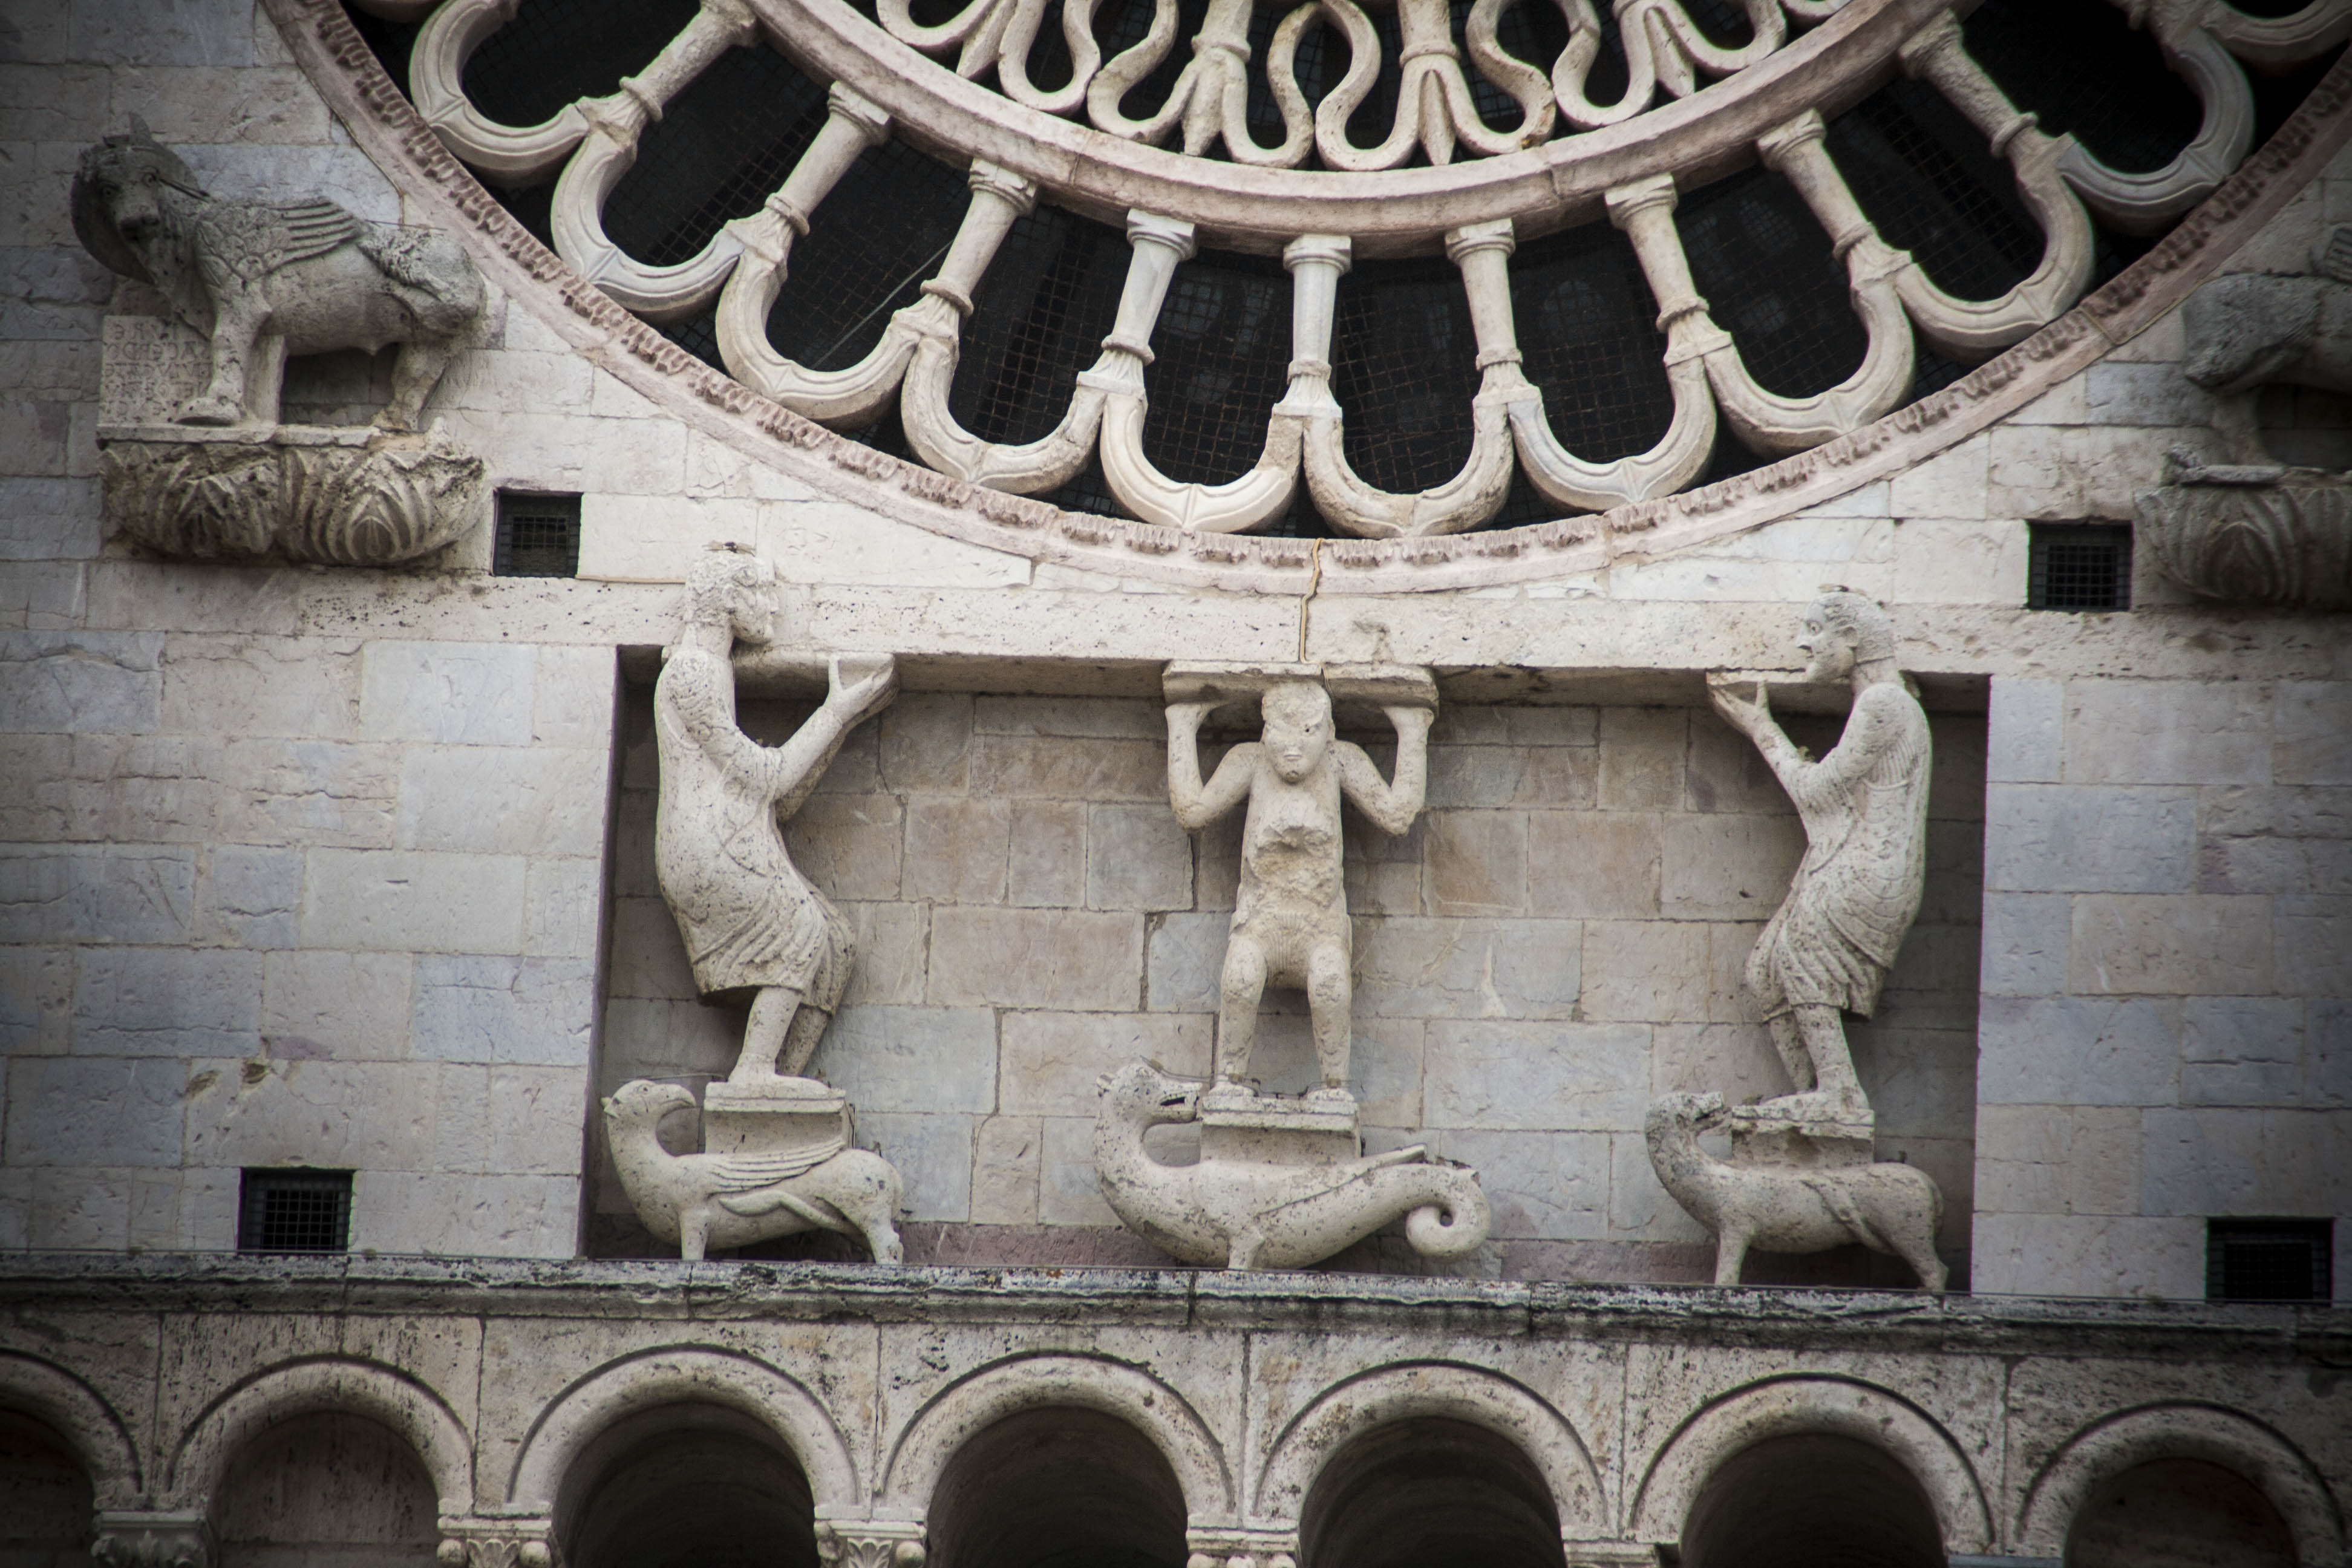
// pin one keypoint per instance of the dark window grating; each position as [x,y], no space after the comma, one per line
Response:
[294,1211]
[1763,263]
[538,536]
[2081,66]
[2079,566]
[2270,1259]
[1038,318]
[720,148]
[871,246]
[1404,365]
[1221,353]
[1931,185]
[556,51]
[1588,330]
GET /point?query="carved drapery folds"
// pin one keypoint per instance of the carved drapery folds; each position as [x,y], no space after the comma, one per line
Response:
[1668,56]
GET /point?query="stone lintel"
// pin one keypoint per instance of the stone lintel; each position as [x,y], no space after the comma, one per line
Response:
[1265,1129]
[783,1117]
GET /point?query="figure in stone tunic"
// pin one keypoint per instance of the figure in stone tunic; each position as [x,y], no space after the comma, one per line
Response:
[1864,807]
[752,924]
[1290,920]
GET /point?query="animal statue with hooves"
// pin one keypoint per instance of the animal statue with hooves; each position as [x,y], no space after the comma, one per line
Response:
[262,281]
[1251,1215]
[1888,1207]
[701,1201]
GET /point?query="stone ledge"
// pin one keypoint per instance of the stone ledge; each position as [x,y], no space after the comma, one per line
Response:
[666,1290]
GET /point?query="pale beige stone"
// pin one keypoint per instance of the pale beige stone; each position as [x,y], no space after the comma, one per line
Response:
[1642,751]
[1045,864]
[1048,1062]
[1595,864]
[1477,863]
[1007,1154]
[1036,958]
[956,848]
[2181,944]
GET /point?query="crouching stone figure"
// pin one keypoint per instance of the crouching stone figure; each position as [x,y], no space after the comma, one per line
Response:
[264,281]
[1784,1208]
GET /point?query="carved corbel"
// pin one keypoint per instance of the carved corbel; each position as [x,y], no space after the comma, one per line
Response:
[609,149]
[495,1543]
[1689,440]
[1481,251]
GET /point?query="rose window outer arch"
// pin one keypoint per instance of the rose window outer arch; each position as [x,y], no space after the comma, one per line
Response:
[1631,182]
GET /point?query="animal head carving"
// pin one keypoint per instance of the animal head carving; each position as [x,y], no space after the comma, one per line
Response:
[1147,1090]
[1697,1111]
[641,1099]
[117,196]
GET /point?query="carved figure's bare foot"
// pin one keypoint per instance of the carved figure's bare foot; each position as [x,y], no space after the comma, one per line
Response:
[207,411]
[1331,1094]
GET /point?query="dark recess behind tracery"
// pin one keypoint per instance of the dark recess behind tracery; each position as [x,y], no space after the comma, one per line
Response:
[1763,263]
[1404,356]
[2081,66]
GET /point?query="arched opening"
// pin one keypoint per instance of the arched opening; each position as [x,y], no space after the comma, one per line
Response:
[326,1490]
[45,1497]
[1811,1500]
[2178,1513]
[1429,1490]
[1058,1488]
[686,1485]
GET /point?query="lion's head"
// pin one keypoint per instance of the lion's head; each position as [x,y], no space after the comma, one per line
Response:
[117,196]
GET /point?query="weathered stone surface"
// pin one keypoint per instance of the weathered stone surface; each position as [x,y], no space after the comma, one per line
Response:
[413,900]
[479,1008]
[1050,1060]
[2043,840]
[1036,958]
[912,1060]
[167,1002]
[1530,1076]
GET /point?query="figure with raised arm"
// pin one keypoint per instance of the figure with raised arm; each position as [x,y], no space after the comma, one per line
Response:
[753,925]
[1290,920]
[1864,807]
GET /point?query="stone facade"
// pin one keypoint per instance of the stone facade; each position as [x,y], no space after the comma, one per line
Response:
[352,868]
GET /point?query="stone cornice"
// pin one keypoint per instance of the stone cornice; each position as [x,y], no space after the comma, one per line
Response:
[683,1293]
[441,191]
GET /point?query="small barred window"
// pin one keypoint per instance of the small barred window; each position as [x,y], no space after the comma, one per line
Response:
[2269,1259]
[538,536]
[294,1211]
[2079,566]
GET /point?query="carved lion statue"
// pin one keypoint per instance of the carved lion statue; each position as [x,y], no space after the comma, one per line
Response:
[264,281]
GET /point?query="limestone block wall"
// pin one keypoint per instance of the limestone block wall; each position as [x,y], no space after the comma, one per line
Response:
[2167,948]
[282,899]
[1557,940]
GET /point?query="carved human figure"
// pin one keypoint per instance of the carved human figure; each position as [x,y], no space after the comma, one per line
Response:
[1290,920]
[1864,808]
[753,925]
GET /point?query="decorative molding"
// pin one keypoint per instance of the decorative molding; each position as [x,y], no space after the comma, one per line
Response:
[392,131]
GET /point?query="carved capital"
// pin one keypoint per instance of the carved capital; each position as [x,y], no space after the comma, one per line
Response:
[133,1540]
[870,1543]
[495,1543]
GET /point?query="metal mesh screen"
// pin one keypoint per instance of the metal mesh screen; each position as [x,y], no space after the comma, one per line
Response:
[554,51]
[1038,319]
[294,1211]
[720,147]
[389,42]
[1765,267]
[537,536]
[1404,367]
[868,250]
[1220,354]
[2082,66]
[1588,330]
[2270,1259]
[2079,566]
[1929,182]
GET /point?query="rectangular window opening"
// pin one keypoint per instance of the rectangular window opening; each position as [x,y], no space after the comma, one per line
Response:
[294,1211]
[2270,1259]
[2079,566]
[538,536]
